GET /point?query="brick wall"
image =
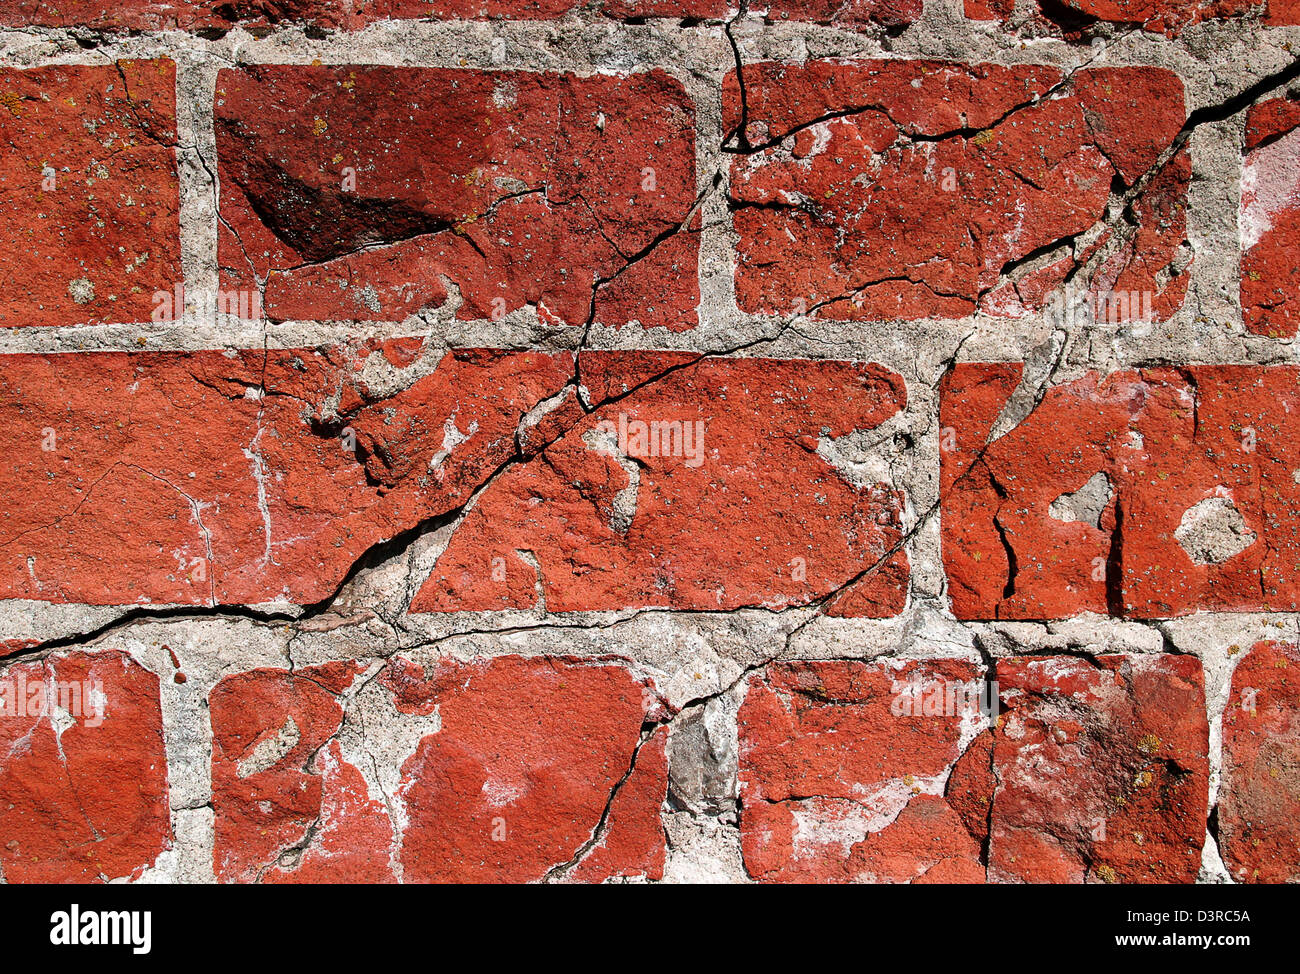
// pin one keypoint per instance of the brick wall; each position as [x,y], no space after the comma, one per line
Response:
[650,439]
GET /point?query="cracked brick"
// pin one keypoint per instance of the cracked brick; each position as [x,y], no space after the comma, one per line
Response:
[1201,463]
[910,189]
[298,471]
[1168,17]
[535,769]
[703,489]
[83,777]
[839,783]
[88,183]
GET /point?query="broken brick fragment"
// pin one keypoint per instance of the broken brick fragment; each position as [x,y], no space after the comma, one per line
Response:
[1269,220]
[1258,834]
[285,802]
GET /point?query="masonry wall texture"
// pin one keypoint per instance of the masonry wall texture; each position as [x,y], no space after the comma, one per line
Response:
[650,440]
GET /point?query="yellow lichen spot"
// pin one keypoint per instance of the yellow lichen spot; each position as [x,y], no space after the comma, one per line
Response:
[1106,873]
[11,101]
[1143,779]
[315,62]
[1274,773]
[338,157]
[319,125]
[1234,649]
[1149,744]
[908,779]
[984,138]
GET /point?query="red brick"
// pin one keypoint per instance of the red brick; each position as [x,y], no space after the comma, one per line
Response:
[333,14]
[83,782]
[1270,220]
[1259,794]
[516,782]
[750,515]
[94,244]
[907,188]
[536,763]
[517,188]
[267,503]
[989,9]
[1101,770]
[1194,443]
[1169,17]
[843,768]
[279,782]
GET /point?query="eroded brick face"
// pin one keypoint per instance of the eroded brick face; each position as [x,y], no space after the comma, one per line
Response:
[83,776]
[367,192]
[299,469]
[1149,494]
[582,441]
[1270,220]
[709,489]
[525,768]
[842,772]
[1101,770]
[88,177]
[1261,752]
[911,189]
[1095,771]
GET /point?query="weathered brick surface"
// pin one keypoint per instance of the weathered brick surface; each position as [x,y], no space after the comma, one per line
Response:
[842,773]
[1169,17]
[1101,770]
[1270,220]
[511,785]
[642,502]
[83,774]
[367,192]
[907,189]
[1258,834]
[88,187]
[279,496]
[1097,771]
[1149,494]
[649,441]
